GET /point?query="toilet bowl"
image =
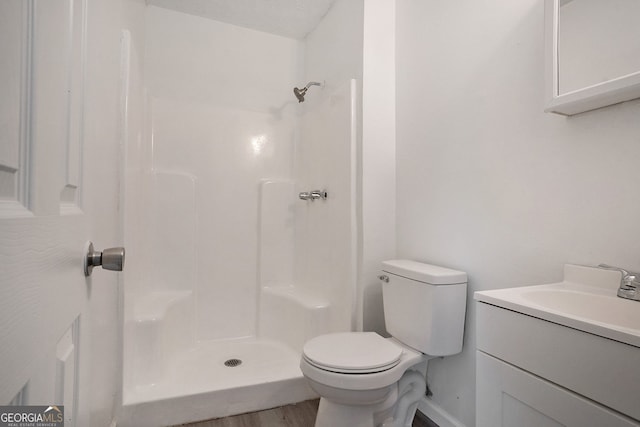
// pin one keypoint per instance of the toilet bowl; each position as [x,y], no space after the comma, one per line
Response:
[365,380]
[359,381]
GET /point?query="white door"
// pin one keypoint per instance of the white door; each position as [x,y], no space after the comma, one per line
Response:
[44,295]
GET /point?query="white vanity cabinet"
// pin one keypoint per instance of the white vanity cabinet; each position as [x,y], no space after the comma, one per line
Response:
[532,372]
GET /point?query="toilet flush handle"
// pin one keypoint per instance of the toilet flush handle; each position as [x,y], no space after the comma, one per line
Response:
[384,278]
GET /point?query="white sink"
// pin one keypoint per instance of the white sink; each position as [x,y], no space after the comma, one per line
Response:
[585,303]
[586,300]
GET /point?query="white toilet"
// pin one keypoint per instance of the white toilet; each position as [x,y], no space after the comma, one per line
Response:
[365,380]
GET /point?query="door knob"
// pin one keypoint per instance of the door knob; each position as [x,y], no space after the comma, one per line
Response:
[109,259]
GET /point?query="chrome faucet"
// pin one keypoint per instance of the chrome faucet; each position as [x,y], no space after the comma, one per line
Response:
[319,194]
[629,283]
[313,195]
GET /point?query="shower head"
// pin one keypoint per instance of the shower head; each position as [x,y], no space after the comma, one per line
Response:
[299,93]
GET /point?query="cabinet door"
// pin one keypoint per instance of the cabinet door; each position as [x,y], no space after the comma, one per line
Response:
[510,397]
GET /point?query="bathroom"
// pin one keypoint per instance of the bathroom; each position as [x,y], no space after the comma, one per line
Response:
[442,145]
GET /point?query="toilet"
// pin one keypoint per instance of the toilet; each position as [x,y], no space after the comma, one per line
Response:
[365,380]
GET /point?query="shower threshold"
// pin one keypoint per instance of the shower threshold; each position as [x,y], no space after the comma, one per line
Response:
[217,379]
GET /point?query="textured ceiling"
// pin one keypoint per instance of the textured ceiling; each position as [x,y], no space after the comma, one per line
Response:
[289,18]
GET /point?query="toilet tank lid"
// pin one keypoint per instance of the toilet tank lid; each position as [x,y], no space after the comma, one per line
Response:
[427,273]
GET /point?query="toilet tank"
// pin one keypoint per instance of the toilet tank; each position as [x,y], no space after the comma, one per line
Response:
[424,305]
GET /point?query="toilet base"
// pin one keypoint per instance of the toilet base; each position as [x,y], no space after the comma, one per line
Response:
[332,414]
[396,410]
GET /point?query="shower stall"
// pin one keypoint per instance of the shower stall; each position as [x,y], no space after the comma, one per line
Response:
[229,270]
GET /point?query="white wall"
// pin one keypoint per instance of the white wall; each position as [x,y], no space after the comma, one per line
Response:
[378,166]
[220,100]
[489,184]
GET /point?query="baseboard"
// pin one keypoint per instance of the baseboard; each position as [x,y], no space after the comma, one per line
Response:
[437,414]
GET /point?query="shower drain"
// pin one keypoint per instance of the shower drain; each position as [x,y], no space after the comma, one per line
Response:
[232,363]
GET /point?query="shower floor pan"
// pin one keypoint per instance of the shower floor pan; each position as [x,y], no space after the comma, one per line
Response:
[258,374]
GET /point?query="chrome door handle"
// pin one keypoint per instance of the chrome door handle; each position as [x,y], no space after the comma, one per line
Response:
[109,259]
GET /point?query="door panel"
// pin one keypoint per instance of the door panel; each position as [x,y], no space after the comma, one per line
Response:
[66,354]
[52,110]
[14,102]
[43,292]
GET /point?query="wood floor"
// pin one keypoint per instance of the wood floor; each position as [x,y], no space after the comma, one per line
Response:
[298,415]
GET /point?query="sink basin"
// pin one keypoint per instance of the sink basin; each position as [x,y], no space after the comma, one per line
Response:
[593,306]
[586,300]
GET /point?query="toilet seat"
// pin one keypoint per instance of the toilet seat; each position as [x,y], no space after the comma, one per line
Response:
[352,353]
[385,374]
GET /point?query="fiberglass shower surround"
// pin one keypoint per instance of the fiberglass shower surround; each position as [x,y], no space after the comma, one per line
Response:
[219,329]
[223,322]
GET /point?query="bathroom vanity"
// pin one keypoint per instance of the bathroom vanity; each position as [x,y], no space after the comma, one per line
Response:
[564,354]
